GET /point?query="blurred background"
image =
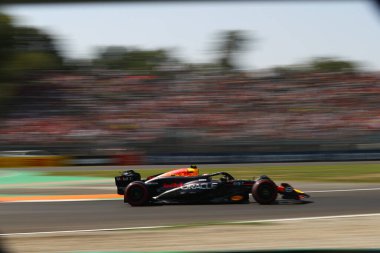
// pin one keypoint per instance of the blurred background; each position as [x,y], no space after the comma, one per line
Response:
[190,78]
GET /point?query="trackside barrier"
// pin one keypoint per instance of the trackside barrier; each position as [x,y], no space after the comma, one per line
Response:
[133,158]
[262,157]
[118,159]
[32,161]
[136,158]
[52,161]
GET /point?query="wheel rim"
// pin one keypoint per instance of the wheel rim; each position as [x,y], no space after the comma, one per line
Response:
[266,192]
[136,194]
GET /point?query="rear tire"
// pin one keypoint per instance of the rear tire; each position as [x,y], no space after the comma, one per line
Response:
[264,191]
[136,194]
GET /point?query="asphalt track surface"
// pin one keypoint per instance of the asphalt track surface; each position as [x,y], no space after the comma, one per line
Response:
[109,214]
[58,216]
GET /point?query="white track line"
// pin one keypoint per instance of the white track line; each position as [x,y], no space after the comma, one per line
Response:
[344,190]
[83,231]
[308,218]
[173,226]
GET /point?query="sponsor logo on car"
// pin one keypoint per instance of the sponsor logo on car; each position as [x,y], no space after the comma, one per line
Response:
[198,186]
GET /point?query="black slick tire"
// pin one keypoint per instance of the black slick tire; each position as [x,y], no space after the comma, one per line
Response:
[136,194]
[264,191]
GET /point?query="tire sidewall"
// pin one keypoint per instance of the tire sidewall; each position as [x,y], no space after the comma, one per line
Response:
[133,186]
[257,188]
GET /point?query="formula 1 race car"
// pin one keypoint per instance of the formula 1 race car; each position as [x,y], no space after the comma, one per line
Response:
[186,186]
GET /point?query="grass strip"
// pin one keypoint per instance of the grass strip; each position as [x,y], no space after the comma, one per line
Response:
[363,173]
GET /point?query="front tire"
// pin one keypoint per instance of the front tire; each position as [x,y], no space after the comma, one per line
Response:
[136,194]
[264,191]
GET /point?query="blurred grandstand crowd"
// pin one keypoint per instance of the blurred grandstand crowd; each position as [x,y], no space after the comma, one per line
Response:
[205,108]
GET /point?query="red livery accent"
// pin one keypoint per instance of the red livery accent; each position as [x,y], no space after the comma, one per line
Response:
[280,189]
[172,185]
